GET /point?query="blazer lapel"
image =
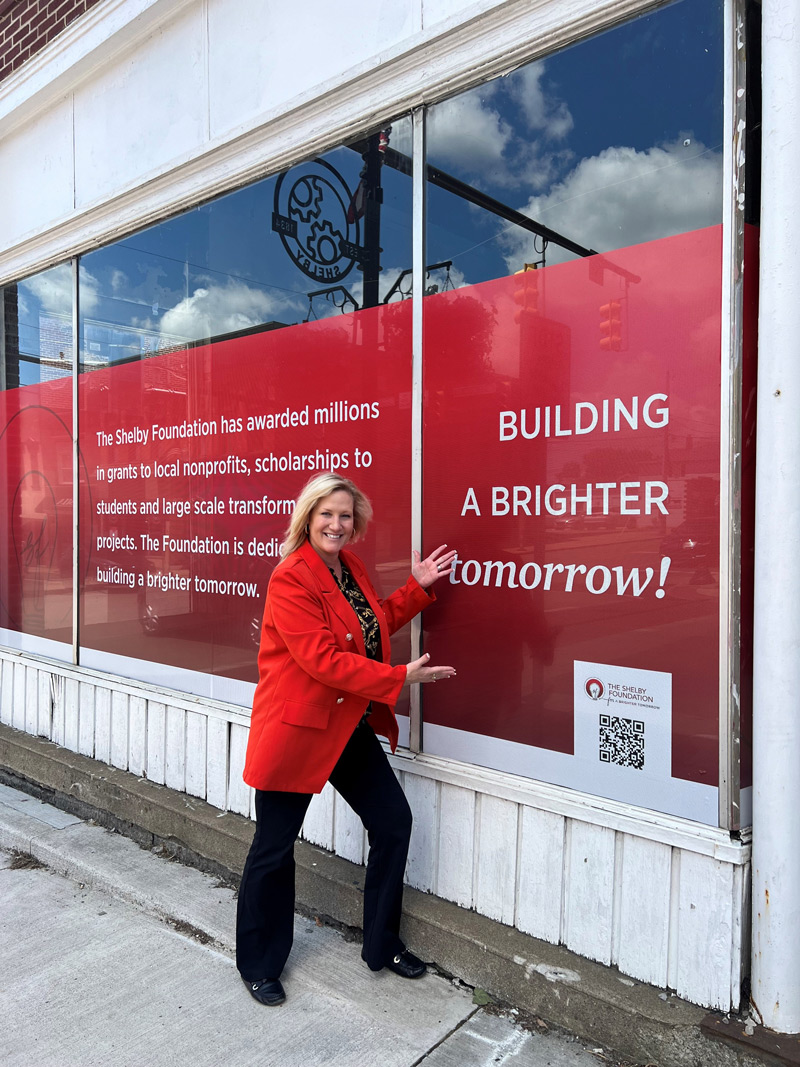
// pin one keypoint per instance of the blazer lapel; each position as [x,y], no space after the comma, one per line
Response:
[334,597]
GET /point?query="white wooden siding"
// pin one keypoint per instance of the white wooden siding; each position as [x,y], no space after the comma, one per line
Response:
[641,933]
[119,730]
[421,867]
[156,741]
[137,735]
[496,858]
[86,712]
[196,753]
[541,874]
[456,854]
[175,776]
[664,900]
[217,762]
[348,833]
[238,792]
[318,823]
[31,700]
[45,704]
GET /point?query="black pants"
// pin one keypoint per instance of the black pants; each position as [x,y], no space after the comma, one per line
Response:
[265,913]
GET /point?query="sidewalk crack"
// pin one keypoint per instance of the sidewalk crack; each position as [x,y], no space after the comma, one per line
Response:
[447,1036]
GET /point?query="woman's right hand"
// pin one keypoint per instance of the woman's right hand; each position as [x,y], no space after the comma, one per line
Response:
[420,671]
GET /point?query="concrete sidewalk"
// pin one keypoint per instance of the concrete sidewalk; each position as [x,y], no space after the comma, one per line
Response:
[114,955]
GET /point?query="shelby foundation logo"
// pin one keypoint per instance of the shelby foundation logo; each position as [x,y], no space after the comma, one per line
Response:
[594,688]
[312,214]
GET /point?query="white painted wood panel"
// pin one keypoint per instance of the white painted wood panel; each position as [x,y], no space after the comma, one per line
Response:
[740,955]
[267,78]
[58,684]
[18,697]
[137,735]
[165,76]
[196,748]
[44,704]
[588,900]
[102,724]
[541,874]
[642,937]
[318,823]
[674,919]
[705,931]
[238,792]
[156,741]
[6,691]
[71,703]
[31,700]
[86,704]
[119,730]
[175,767]
[217,763]
[45,723]
[348,831]
[456,852]
[496,859]
[421,794]
[37,156]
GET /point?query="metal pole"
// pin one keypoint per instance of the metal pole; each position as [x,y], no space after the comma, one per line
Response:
[418,293]
[776,653]
[76,458]
[730,576]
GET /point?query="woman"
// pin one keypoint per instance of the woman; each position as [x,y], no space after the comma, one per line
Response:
[325,689]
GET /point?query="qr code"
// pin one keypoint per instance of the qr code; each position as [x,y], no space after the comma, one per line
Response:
[622,741]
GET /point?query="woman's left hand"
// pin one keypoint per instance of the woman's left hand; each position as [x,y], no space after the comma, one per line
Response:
[437,565]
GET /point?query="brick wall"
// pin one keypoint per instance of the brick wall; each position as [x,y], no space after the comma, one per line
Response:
[27,25]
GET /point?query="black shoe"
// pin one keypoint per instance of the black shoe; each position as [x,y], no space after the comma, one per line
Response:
[407,965]
[267,991]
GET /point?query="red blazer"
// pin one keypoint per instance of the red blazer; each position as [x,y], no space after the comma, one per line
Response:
[315,680]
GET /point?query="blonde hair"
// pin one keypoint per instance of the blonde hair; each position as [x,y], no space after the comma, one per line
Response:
[316,489]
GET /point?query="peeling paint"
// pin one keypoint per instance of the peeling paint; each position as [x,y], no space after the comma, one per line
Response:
[553,974]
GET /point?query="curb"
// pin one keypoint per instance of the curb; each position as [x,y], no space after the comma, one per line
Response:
[593,1001]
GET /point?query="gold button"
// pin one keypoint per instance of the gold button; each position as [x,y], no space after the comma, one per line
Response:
[349,637]
[340,700]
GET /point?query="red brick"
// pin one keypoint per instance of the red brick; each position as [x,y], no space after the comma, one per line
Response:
[29,40]
[25,17]
[20,32]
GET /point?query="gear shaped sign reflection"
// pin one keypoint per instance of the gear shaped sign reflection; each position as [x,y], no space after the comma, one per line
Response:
[305,199]
[312,202]
[324,242]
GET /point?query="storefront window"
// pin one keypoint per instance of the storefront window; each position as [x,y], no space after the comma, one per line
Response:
[36,462]
[572,350]
[235,351]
